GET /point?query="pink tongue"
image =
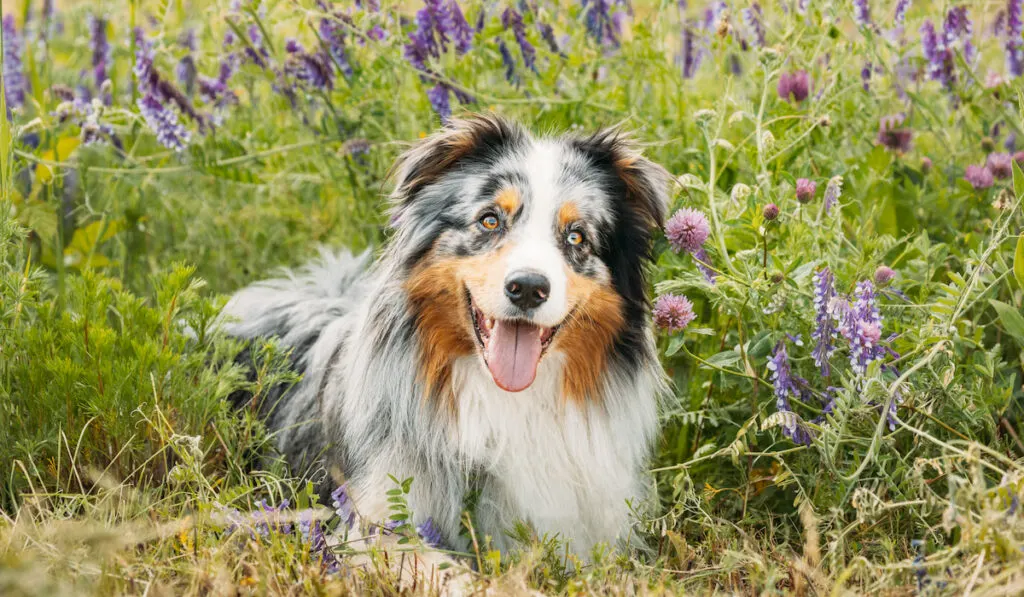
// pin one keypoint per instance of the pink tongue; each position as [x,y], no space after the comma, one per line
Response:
[512,354]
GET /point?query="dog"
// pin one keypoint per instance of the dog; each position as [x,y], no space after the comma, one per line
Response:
[501,343]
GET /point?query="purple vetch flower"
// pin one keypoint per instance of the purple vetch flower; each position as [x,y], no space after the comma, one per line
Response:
[439,24]
[861,325]
[865,76]
[377,33]
[884,275]
[753,18]
[795,85]
[980,177]
[160,90]
[1000,164]
[1014,44]
[785,385]
[311,531]
[15,82]
[267,519]
[824,333]
[185,73]
[215,89]
[805,190]
[690,57]
[164,122]
[687,230]
[899,16]
[673,312]
[312,69]
[440,101]
[940,58]
[862,13]
[702,259]
[343,506]
[511,19]
[600,21]
[369,5]
[833,192]
[509,62]
[547,33]
[893,135]
[255,51]
[1011,142]
[100,49]
[959,28]
[430,534]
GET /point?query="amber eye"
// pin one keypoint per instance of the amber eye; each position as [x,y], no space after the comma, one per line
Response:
[490,222]
[575,237]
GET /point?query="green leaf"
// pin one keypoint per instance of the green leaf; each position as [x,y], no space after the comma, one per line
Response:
[1011,319]
[724,359]
[1018,261]
[674,344]
[1018,180]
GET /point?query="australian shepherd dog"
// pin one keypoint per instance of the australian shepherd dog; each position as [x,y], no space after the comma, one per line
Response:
[500,344]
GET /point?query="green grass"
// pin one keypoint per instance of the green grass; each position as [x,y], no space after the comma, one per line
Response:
[106,256]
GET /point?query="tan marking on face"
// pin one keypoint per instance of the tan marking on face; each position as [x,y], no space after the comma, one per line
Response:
[567,214]
[586,337]
[436,293]
[508,200]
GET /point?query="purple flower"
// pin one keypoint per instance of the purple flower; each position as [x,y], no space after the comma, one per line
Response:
[980,177]
[899,16]
[312,69]
[509,62]
[157,90]
[333,36]
[163,122]
[883,275]
[377,33]
[1014,43]
[673,312]
[753,18]
[547,33]
[430,534]
[824,333]
[600,22]
[832,193]
[511,19]
[690,58]
[770,212]
[805,190]
[893,135]
[255,51]
[439,96]
[185,73]
[1019,158]
[940,58]
[785,385]
[795,85]
[215,89]
[15,82]
[862,13]
[687,230]
[1000,165]
[861,325]
[343,506]
[100,49]
[266,521]
[702,259]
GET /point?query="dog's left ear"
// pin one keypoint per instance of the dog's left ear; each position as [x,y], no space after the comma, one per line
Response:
[647,183]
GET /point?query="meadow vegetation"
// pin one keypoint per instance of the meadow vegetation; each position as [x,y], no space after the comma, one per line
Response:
[839,292]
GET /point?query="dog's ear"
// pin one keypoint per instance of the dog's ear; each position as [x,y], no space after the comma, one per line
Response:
[646,183]
[482,136]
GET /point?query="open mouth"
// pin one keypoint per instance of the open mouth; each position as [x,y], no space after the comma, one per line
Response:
[512,348]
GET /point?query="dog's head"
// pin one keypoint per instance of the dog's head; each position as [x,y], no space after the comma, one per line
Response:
[513,246]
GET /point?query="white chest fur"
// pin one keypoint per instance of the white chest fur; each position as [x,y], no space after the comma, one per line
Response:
[562,466]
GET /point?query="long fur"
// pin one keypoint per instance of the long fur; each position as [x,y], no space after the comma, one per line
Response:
[370,403]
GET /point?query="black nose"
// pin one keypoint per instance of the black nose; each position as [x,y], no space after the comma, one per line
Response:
[527,290]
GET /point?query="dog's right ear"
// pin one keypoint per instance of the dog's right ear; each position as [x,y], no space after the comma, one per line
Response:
[484,137]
